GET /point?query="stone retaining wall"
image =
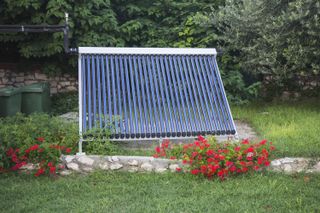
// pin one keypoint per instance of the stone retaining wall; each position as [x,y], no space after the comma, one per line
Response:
[9,76]
[89,163]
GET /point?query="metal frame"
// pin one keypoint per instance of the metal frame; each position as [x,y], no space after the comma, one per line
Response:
[147,51]
[143,51]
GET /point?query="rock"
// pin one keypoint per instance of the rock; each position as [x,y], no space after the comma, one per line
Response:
[104,166]
[65,172]
[114,158]
[29,166]
[173,167]
[73,166]
[19,79]
[85,160]
[275,163]
[146,167]
[133,169]
[41,76]
[287,168]
[116,166]
[317,167]
[133,163]
[68,158]
[287,160]
[87,169]
[160,170]
[161,163]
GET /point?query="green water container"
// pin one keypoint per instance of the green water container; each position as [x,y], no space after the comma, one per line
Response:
[10,101]
[35,98]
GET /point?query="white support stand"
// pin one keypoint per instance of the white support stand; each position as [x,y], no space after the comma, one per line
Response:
[160,142]
[80,147]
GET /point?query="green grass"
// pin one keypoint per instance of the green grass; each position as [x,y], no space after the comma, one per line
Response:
[294,128]
[126,192]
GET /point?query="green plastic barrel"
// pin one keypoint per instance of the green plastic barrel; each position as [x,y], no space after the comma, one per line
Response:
[35,98]
[10,101]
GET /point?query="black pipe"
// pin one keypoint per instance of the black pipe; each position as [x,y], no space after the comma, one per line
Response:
[43,29]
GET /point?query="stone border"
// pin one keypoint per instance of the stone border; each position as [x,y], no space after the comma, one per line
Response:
[89,163]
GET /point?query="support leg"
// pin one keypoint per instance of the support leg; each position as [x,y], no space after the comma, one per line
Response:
[80,147]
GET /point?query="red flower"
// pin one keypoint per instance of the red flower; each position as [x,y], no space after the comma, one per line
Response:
[68,150]
[272,148]
[256,168]
[195,171]
[173,158]
[50,164]
[10,151]
[221,157]
[39,172]
[34,147]
[263,142]
[158,150]
[194,154]
[232,169]
[244,169]
[178,169]
[250,149]
[40,139]
[229,163]
[155,156]
[249,158]
[245,141]
[201,138]
[267,163]
[18,166]
[53,170]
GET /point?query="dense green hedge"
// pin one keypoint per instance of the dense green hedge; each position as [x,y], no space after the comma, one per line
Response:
[277,38]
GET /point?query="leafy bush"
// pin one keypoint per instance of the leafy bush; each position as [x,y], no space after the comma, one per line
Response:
[278,39]
[20,132]
[44,155]
[209,158]
[64,102]
[98,143]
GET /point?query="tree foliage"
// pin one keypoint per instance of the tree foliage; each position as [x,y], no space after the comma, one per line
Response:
[278,38]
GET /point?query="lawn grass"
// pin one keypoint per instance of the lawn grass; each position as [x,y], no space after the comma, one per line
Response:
[294,127]
[126,192]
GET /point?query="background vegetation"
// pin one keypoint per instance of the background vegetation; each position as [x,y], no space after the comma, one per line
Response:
[277,39]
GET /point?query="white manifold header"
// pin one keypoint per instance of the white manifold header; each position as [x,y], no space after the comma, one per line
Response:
[147,51]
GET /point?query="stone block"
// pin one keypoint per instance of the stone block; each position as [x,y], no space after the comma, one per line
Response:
[116,166]
[85,160]
[20,79]
[104,166]
[73,166]
[173,167]
[160,170]
[133,169]
[133,162]
[41,76]
[146,167]
[71,88]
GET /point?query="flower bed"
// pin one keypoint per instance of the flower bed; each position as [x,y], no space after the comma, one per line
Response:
[44,155]
[209,158]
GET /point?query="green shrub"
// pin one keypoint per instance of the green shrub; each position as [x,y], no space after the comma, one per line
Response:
[64,102]
[21,131]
